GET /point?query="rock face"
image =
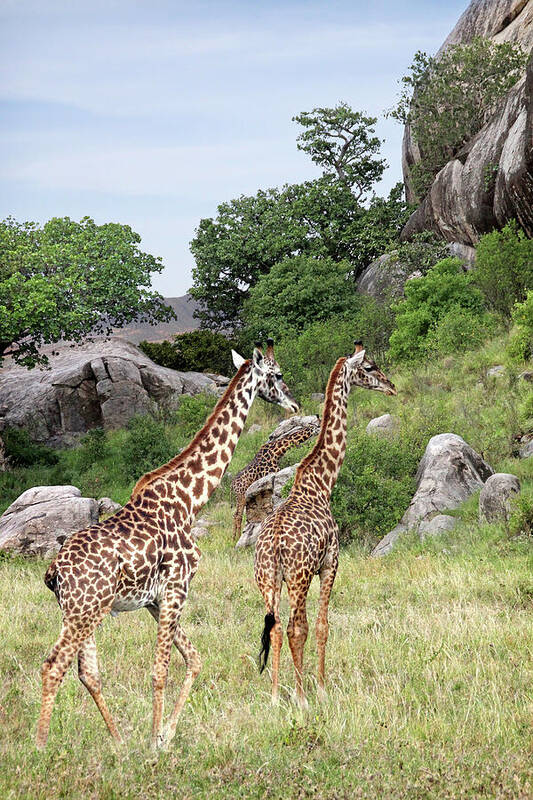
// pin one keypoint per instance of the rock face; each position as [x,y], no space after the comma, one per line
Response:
[463,203]
[102,384]
[438,524]
[495,497]
[288,425]
[449,472]
[383,425]
[40,520]
[262,497]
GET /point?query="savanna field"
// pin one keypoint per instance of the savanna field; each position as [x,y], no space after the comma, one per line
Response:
[430,656]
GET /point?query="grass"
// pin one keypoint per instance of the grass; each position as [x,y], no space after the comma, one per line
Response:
[429,663]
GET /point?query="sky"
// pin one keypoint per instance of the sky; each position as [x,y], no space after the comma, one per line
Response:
[152,112]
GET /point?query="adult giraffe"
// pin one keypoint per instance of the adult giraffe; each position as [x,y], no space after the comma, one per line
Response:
[300,538]
[144,557]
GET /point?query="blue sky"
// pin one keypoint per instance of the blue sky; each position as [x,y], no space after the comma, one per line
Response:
[152,112]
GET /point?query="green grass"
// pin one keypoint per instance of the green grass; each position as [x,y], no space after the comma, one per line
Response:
[429,663]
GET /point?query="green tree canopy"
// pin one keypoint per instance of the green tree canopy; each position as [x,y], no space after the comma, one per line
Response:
[344,144]
[320,218]
[296,292]
[447,99]
[504,267]
[68,280]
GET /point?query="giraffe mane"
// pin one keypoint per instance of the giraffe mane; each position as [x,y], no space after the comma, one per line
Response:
[148,477]
[328,408]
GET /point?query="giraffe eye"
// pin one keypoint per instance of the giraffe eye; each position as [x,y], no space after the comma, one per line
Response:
[367,368]
[279,375]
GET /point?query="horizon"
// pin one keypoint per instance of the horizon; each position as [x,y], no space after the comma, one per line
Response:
[153,117]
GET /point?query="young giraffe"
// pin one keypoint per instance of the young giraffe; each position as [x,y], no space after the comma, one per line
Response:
[265,461]
[300,538]
[144,556]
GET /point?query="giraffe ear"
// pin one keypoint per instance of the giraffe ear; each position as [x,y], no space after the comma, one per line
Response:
[357,358]
[257,356]
[238,360]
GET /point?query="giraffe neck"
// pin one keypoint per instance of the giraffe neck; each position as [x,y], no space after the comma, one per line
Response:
[192,476]
[321,467]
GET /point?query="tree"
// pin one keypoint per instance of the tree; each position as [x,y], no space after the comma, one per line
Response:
[447,99]
[504,267]
[201,350]
[320,218]
[70,280]
[343,143]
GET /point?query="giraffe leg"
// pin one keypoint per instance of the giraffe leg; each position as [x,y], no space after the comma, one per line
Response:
[53,671]
[89,675]
[327,577]
[165,634]
[237,517]
[193,665]
[297,634]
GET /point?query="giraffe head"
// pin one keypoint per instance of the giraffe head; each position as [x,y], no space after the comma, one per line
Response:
[365,372]
[267,377]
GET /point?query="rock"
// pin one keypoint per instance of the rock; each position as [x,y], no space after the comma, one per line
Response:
[495,496]
[449,472]
[291,424]
[99,384]
[384,425]
[220,380]
[199,531]
[106,507]
[526,376]
[496,372]
[465,254]
[42,518]
[437,524]
[262,497]
[526,451]
[462,204]
[317,397]
[255,428]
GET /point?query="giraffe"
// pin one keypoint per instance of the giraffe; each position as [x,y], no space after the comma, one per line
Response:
[265,461]
[144,557]
[300,538]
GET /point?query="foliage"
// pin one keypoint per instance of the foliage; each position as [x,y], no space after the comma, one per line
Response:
[295,293]
[94,448]
[68,280]
[447,99]
[421,252]
[147,445]
[504,267]
[192,412]
[319,218]
[520,345]
[521,519]
[444,289]
[343,143]
[459,330]
[21,451]
[200,351]
[374,487]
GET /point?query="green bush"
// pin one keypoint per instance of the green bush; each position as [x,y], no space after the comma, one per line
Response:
[459,330]
[197,351]
[148,444]
[375,486]
[192,413]
[445,289]
[23,452]
[520,345]
[504,268]
[94,448]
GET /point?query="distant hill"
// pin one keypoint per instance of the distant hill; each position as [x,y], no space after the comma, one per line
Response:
[184,308]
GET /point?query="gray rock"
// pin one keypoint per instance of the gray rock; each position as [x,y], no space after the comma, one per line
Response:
[526,376]
[199,531]
[384,278]
[437,524]
[100,384]
[293,423]
[496,372]
[495,497]
[262,498]
[384,425]
[255,428]
[317,397]
[42,518]
[462,204]
[106,507]
[526,451]
[449,472]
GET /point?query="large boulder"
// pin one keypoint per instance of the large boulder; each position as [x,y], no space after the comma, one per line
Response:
[495,497]
[448,474]
[40,520]
[263,497]
[383,425]
[293,423]
[463,202]
[99,384]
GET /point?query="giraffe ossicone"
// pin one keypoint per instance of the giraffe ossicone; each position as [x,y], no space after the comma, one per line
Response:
[144,556]
[300,538]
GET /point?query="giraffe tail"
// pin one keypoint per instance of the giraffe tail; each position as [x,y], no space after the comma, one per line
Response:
[50,577]
[270,621]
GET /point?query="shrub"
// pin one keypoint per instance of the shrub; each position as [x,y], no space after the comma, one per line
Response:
[459,330]
[192,412]
[148,444]
[21,451]
[375,486]
[504,267]
[447,99]
[520,345]
[198,351]
[445,288]
[94,448]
